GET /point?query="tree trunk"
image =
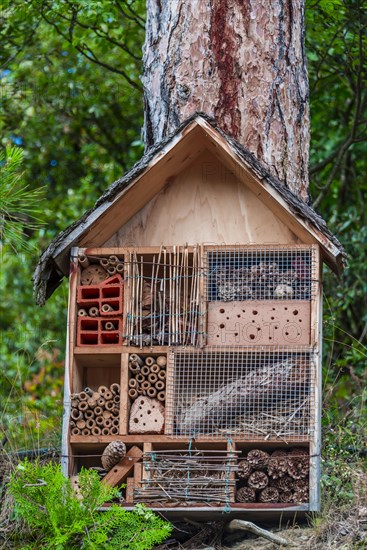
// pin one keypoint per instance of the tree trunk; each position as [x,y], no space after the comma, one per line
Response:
[240,61]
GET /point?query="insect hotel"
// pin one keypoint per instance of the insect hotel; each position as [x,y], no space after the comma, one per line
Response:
[193,371]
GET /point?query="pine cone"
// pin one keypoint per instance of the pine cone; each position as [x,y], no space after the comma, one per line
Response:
[302,483]
[298,463]
[283,291]
[300,494]
[227,291]
[278,464]
[258,459]
[243,291]
[285,496]
[258,480]
[269,494]
[112,454]
[285,483]
[245,494]
[244,469]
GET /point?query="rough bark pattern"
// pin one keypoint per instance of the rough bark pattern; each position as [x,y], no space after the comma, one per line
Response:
[240,61]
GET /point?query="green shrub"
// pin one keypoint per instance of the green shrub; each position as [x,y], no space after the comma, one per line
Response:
[63,519]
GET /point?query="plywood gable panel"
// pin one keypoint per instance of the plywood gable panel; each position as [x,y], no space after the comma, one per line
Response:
[205,203]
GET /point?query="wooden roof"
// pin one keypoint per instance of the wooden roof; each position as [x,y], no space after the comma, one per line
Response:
[159,166]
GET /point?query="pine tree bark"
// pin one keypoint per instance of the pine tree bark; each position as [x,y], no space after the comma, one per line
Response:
[240,61]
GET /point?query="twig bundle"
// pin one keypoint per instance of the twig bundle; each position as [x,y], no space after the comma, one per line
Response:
[163,299]
[197,476]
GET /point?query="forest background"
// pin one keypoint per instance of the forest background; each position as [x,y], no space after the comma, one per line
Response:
[72,102]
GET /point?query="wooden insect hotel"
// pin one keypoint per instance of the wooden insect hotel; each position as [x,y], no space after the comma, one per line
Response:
[193,373]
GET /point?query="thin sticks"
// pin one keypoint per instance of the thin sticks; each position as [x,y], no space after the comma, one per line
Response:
[170,315]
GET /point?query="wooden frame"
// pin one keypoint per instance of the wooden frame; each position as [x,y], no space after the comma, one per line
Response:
[77,356]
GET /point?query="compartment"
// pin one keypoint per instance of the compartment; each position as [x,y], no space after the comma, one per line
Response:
[164,305]
[273,475]
[147,393]
[96,396]
[98,331]
[261,273]
[250,393]
[90,457]
[187,474]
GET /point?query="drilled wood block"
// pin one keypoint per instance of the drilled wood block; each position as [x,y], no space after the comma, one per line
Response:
[146,416]
[270,322]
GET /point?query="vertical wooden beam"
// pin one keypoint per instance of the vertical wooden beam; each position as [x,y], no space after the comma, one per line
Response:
[203,301]
[168,425]
[138,474]
[316,385]
[124,396]
[231,448]
[130,485]
[125,340]
[147,448]
[67,464]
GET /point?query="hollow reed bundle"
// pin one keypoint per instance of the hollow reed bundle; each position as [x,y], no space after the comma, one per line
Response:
[96,412]
[147,376]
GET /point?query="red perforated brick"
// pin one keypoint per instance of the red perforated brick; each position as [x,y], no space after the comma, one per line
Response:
[109,293]
[95,331]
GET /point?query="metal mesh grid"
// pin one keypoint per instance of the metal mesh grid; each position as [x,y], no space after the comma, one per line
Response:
[185,476]
[164,297]
[241,393]
[255,273]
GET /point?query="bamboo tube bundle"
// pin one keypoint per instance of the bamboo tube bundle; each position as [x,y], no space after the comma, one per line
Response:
[147,376]
[95,412]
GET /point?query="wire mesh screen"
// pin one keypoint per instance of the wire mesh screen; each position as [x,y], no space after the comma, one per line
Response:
[187,476]
[256,273]
[163,305]
[239,393]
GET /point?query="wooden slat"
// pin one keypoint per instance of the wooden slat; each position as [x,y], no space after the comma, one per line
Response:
[168,425]
[316,384]
[67,463]
[89,440]
[119,473]
[130,485]
[124,398]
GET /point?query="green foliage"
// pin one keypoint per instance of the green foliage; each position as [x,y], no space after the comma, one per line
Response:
[20,208]
[65,520]
[336,45]
[343,452]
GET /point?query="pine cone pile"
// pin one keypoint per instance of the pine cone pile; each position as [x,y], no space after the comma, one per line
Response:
[264,280]
[279,476]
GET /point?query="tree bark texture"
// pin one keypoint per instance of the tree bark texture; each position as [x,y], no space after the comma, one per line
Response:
[240,61]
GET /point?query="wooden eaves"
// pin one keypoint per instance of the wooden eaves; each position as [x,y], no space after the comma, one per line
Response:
[159,167]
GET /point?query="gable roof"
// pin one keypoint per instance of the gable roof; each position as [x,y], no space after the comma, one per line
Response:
[156,168]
